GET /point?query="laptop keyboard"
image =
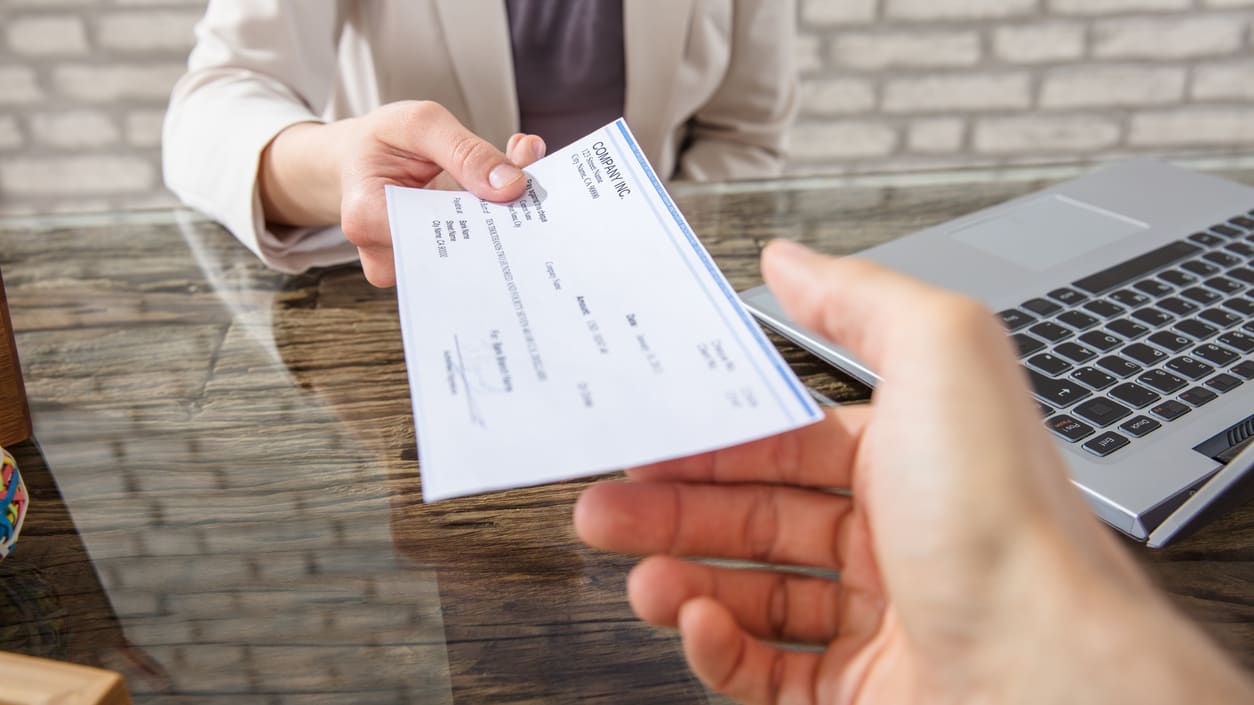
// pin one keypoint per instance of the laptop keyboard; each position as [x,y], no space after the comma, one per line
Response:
[1121,353]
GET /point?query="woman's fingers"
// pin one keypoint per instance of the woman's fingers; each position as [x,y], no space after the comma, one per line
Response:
[763,523]
[427,130]
[525,150]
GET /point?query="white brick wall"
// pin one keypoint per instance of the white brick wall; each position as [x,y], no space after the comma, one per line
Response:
[1164,38]
[887,84]
[1111,86]
[882,50]
[48,35]
[1030,134]
[1038,42]
[83,86]
[959,83]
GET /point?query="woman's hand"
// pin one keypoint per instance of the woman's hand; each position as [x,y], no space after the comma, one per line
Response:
[320,174]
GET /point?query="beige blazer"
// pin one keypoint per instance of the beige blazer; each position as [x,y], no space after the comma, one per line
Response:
[710,92]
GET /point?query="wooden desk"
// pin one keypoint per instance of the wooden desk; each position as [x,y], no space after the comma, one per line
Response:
[14,413]
[237,452]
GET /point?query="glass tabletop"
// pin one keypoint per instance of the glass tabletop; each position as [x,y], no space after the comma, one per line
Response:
[226,492]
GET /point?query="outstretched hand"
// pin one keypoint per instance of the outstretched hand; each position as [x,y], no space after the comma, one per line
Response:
[962,551]
[319,174]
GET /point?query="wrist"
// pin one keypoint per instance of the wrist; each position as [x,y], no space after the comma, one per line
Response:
[1099,631]
[299,174]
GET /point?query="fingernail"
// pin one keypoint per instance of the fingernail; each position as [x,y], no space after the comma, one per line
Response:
[789,251]
[503,175]
[788,258]
[538,148]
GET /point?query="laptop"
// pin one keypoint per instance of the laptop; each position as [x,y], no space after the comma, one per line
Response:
[1130,295]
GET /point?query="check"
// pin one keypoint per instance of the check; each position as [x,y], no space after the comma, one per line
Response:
[580,329]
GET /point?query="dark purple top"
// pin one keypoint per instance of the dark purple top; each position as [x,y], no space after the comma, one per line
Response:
[569,68]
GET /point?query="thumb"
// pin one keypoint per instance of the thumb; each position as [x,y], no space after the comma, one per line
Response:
[869,309]
[429,131]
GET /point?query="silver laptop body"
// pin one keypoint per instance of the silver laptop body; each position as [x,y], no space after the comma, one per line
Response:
[1126,226]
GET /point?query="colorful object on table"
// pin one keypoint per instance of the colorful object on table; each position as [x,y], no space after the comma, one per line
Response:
[13,502]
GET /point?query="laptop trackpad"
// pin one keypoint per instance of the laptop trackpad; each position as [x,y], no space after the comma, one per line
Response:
[1047,232]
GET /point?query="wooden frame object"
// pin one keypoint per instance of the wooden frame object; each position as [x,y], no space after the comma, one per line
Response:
[14,412]
[26,680]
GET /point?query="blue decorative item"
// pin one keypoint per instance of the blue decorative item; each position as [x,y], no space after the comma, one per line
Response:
[13,503]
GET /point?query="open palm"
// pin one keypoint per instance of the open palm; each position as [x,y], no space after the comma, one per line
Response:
[918,563]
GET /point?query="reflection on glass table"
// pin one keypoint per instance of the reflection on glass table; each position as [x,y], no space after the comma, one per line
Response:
[240,512]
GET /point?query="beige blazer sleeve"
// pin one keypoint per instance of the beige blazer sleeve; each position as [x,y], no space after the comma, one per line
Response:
[740,131]
[257,67]
[710,91]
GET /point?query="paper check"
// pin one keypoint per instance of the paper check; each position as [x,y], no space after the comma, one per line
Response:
[578,330]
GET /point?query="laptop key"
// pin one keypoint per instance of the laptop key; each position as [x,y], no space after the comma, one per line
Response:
[1130,330]
[1243,222]
[1245,369]
[1162,380]
[1134,395]
[1050,331]
[1106,444]
[1237,341]
[1200,267]
[1240,249]
[1066,296]
[1224,382]
[1178,306]
[1175,277]
[1225,230]
[1027,344]
[1101,411]
[1093,377]
[1049,364]
[1143,354]
[1219,317]
[1078,320]
[1140,265]
[1198,396]
[1196,329]
[1223,285]
[1118,366]
[1245,274]
[1223,259]
[1139,426]
[1058,392]
[1045,410]
[1200,295]
[1099,340]
[1241,305]
[1104,308]
[1189,367]
[1215,355]
[1153,287]
[1152,317]
[1207,239]
[1041,307]
[1169,410]
[1169,341]
[1014,319]
[1131,299]
[1069,428]
[1074,352]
